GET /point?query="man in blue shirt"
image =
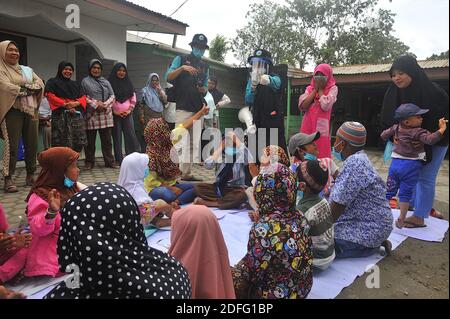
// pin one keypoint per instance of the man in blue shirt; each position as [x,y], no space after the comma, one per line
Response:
[189,75]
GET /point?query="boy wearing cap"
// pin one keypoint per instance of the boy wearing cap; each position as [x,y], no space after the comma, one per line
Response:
[302,147]
[189,75]
[312,177]
[408,155]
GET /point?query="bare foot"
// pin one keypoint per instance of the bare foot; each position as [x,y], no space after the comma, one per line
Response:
[198,201]
[160,222]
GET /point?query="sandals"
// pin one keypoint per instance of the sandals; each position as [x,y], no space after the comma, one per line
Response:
[408,224]
[9,186]
[436,214]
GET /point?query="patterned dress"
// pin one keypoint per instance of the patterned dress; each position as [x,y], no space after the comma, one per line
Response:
[278,264]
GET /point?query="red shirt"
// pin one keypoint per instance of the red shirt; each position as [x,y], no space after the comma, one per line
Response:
[56,102]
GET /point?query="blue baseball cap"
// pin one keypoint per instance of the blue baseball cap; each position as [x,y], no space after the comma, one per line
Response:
[407,110]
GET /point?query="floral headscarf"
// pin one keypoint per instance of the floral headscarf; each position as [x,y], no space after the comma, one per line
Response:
[159,146]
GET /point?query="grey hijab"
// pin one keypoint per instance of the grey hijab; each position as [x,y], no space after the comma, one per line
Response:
[97,88]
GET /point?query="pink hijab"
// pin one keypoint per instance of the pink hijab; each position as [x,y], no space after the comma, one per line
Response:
[197,242]
[328,72]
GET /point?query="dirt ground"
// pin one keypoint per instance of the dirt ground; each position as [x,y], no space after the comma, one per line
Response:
[415,270]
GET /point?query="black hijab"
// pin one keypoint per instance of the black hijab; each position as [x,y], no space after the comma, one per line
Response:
[63,87]
[102,235]
[123,88]
[422,92]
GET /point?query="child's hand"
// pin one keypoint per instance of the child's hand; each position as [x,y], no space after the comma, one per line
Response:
[442,124]
[23,240]
[54,200]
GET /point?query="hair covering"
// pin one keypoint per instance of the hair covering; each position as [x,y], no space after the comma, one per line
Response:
[101,234]
[197,242]
[279,258]
[421,92]
[354,133]
[3,221]
[97,88]
[11,79]
[150,95]
[54,163]
[131,177]
[63,87]
[328,72]
[159,145]
[314,174]
[123,88]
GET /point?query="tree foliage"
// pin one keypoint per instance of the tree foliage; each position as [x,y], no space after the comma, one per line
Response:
[219,48]
[332,31]
[440,56]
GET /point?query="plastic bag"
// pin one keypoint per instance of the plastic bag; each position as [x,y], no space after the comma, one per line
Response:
[388,151]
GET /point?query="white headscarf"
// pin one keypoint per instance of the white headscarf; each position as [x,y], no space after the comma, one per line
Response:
[131,177]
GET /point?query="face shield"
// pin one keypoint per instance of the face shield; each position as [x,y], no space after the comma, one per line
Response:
[258,69]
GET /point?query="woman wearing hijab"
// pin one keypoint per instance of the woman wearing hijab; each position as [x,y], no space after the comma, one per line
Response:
[100,99]
[162,181]
[151,106]
[317,103]
[412,85]
[197,242]
[21,92]
[122,108]
[133,171]
[278,264]
[101,234]
[68,104]
[55,185]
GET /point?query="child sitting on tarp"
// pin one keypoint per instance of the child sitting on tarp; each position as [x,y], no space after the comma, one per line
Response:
[312,177]
[12,246]
[133,171]
[228,191]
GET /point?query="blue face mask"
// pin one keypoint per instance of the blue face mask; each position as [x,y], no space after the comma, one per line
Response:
[198,52]
[300,195]
[146,172]
[68,182]
[309,157]
[337,155]
[230,151]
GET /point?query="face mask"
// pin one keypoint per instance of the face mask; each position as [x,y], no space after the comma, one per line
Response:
[198,52]
[300,195]
[337,155]
[146,172]
[68,182]
[230,151]
[309,157]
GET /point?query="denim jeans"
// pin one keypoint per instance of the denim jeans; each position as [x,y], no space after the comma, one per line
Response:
[425,189]
[168,196]
[347,249]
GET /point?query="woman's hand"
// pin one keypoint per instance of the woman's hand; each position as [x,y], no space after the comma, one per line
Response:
[54,200]
[254,216]
[6,242]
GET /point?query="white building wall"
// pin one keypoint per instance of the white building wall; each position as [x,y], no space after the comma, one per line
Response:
[107,38]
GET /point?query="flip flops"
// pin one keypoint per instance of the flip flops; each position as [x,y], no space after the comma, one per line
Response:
[408,224]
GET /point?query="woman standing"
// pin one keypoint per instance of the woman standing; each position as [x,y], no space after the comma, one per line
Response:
[21,92]
[122,108]
[100,99]
[317,103]
[68,104]
[412,85]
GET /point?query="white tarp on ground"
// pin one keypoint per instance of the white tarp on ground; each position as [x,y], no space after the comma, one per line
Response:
[235,226]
